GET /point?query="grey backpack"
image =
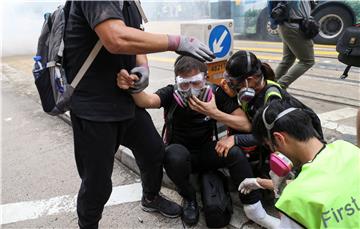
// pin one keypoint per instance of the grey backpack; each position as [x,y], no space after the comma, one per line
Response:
[50,79]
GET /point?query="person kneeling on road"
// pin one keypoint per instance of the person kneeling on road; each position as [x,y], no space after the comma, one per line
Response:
[326,192]
[189,136]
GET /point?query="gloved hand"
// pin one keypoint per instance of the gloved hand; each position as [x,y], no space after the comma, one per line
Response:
[248,185]
[190,46]
[142,72]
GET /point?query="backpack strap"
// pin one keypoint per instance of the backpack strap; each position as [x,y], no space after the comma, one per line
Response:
[66,10]
[345,73]
[86,64]
[90,58]
[273,89]
[141,11]
[166,133]
[216,134]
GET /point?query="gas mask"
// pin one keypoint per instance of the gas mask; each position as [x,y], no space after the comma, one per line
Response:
[246,94]
[185,87]
[280,172]
[280,165]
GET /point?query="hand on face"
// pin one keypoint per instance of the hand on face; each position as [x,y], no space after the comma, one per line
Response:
[206,108]
[126,80]
[224,145]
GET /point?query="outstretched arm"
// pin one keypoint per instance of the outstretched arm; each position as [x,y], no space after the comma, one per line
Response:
[146,100]
[118,38]
[121,39]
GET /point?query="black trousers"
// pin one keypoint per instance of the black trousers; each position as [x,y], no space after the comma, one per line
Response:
[180,163]
[95,146]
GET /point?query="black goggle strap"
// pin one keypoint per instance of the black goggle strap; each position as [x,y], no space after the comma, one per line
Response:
[248,69]
[248,61]
[271,125]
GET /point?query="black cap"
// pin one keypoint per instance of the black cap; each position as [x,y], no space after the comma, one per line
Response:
[243,64]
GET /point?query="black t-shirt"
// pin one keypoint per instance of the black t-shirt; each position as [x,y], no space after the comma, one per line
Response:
[97,96]
[190,128]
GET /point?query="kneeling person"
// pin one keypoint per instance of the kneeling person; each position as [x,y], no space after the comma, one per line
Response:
[326,192]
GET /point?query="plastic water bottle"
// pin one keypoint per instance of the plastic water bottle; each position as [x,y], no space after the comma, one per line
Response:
[37,67]
[59,81]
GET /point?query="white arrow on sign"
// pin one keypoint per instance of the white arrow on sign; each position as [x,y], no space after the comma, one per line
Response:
[217,44]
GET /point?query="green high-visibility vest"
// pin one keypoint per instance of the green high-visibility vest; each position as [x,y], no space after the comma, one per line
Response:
[326,194]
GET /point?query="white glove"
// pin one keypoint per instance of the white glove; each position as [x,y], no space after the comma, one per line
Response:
[248,185]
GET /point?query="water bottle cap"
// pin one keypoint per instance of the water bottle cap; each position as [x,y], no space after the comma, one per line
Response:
[37,58]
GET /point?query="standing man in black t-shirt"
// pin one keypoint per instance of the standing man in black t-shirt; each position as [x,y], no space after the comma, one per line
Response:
[104,116]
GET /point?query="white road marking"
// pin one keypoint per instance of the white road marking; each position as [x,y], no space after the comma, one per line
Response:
[339,114]
[328,120]
[14,212]
[339,127]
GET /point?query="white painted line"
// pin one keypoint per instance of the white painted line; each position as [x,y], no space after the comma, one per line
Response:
[125,194]
[14,212]
[340,114]
[338,127]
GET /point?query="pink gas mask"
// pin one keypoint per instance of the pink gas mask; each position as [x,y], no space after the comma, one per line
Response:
[279,163]
[185,87]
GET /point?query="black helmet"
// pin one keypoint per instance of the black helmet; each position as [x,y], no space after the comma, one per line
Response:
[243,64]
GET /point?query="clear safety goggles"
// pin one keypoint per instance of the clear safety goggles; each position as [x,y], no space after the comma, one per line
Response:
[234,82]
[185,83]
[269,126]
[237,82]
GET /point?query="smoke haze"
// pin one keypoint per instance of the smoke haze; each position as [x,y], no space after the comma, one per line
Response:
[22,20]
[21,25]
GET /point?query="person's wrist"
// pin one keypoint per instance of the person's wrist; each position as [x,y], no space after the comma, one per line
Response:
[214,113]
[258,182]
[173,42]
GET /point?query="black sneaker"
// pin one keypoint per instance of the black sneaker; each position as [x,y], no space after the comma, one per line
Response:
[160,204]
[190,212]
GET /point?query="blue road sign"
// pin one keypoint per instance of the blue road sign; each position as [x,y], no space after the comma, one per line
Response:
[220,41]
